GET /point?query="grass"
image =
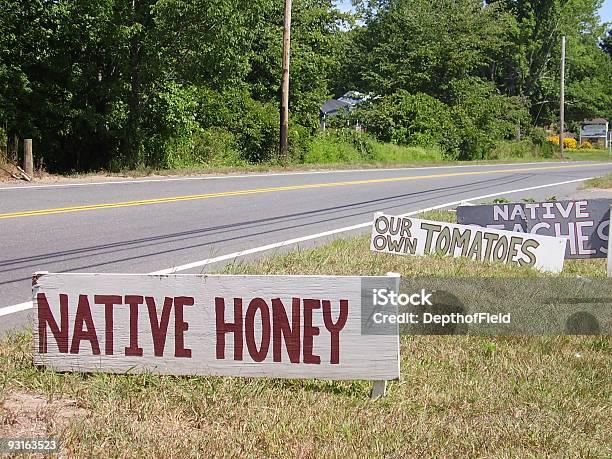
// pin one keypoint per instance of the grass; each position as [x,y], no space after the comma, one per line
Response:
[331,149]
[459,396]
[331,152]
[587,155]
[603,182]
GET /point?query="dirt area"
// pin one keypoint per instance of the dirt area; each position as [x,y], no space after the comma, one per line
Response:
[592,193]
[26,415]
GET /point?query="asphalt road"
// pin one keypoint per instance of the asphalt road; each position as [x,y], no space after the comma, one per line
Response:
[140,226]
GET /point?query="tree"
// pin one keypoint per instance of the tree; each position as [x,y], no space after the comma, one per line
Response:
[606,43]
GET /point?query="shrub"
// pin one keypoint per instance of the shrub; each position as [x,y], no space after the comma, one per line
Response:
[586,144]
[568,142]
[554,139]
[208,147]
[507,149]
[331,148]
[347,145]
[300,139]
[408,119]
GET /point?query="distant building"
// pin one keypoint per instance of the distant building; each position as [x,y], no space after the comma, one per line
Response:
[595,131]
[343,104]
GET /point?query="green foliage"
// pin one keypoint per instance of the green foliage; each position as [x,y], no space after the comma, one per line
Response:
[408,119]
[116,83]
[467,129]
[421,46]
[350,146]
[606,43]
[162,83]
[211,147]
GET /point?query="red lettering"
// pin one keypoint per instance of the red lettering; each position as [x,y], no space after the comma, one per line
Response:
[159,330]
[229,327]
[180,326]
[258,355]
[334,328]
[281,329]
[83,317]
[108,301]
[310,331]
[46,319]
[134,301]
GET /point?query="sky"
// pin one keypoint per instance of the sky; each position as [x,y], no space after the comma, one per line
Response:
[605,12]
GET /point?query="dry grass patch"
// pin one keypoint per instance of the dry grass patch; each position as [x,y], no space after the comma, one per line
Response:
[603,182]
[459,396]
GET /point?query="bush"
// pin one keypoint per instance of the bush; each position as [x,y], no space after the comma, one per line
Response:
[350,146]
[209,147]
[468,128]
[568,142]
[586,145]
[340,146]
[300,140]
[407,119]
[330,148]
[483,116]
[508,149]
[254,124]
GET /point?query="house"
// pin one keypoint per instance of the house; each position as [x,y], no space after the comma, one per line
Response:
[343,104]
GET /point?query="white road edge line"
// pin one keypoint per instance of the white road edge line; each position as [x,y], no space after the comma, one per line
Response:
[269,174]
[28,304]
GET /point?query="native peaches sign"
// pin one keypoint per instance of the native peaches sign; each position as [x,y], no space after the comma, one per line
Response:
[276,326]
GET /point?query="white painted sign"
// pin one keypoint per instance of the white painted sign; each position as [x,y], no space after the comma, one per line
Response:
[593,130]
[411,236]
[275,326]
[610,245]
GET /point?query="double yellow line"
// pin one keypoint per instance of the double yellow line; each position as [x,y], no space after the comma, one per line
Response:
[194,197]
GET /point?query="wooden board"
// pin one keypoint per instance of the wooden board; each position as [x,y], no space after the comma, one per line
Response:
[583,222]
[412,236]
[610,245]
[275,326]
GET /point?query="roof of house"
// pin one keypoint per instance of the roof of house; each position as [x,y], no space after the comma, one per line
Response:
[595,121]
[334,106]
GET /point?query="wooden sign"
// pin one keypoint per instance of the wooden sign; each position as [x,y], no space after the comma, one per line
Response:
[583,222]
[276,326]
[610,244]
[411,236]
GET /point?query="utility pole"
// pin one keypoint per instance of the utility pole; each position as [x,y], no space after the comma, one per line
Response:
[284,105]
[562,98]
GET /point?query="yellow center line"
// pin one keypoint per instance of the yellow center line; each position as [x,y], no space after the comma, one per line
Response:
[143,202]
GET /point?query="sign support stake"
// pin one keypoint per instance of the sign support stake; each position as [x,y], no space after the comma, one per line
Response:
[379,389]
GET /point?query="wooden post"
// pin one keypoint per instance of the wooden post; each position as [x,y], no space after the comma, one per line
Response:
[15,153]
[284,108]
[562,98]
[28,160]
[610,245]
[379,388]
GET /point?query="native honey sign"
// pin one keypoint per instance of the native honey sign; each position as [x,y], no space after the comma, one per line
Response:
[584,222]
[412,236]
[276,326]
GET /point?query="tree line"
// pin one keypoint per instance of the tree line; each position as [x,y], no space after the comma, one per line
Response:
[168,83]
